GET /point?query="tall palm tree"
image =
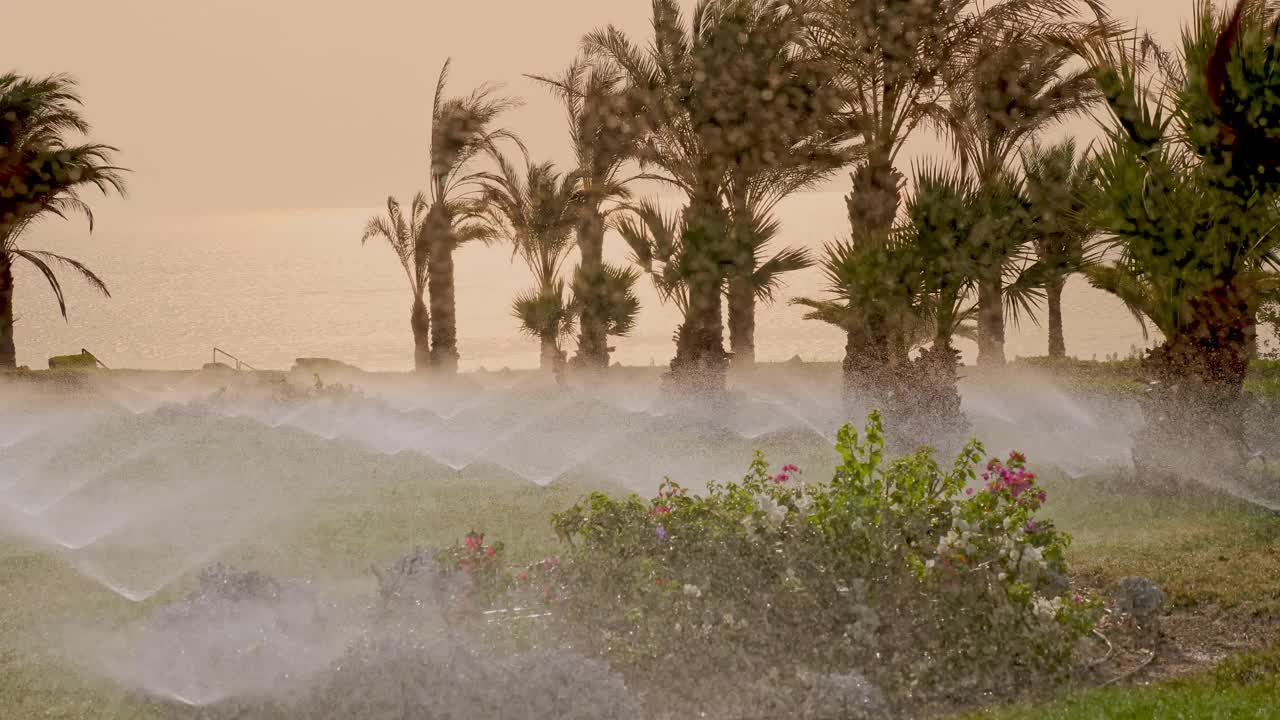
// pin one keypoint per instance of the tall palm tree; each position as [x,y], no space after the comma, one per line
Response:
[804,150]
[1057,181]
[1016,82]
[712,99]
[604,140]
[408,241]
[537,214]
[462,128]
[41,174]
[1186,194]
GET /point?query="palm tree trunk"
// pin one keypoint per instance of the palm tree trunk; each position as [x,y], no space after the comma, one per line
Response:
[742,321]
[701,363]
[866,363]
[990,322]
[441,288]
[8,351]
[1194,413]
[1057,343]
[593,341]
[420,322]
[924,407]
[549,358]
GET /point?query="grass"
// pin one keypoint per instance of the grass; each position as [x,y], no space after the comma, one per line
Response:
[1247,686]
[1210,550]
[1176,702]
[1124,377]
[1204,551]
[340,535]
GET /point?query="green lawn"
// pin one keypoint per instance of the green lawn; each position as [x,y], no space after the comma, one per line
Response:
[1208,550]
[1204,551]
[1260,701]
[1247,686]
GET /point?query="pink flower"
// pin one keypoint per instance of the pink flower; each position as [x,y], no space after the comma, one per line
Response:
[490,551]
[474,542]
[790,469]
[662,509]
[968,491]
[781,478]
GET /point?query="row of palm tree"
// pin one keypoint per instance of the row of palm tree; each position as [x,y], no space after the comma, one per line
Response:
[744,102]
[741,105]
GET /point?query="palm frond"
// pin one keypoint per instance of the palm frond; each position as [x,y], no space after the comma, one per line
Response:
[831,312]
[1130,289]
[41,258]
[768,276]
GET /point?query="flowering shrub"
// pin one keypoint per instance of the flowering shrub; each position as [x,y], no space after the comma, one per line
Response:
[899,571]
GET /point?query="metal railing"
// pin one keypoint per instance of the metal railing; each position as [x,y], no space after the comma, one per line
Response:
[240,364]
[95,359]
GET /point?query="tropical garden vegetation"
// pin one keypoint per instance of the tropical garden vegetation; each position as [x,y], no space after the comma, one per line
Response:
[741,103]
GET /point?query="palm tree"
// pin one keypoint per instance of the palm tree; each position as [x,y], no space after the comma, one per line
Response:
[942,233]
[537,214]
[759,279]
[656,239]
[41,175]
[805,150]
[1185,192]
[870,299]
[1014,84]
[712,100]
[915,288]
[603,142]
[406,237]
[462,128]
[1057,180]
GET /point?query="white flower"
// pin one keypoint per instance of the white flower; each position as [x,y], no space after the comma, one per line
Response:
[1032,560]
[947,542]
[1045,608]
[774,512]
[804,504]
[692,591]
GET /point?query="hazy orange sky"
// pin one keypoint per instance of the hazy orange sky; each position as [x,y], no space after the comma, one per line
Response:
[260,104]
